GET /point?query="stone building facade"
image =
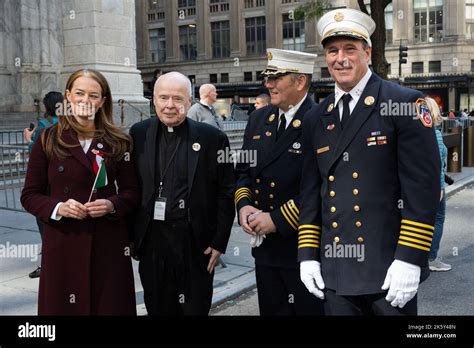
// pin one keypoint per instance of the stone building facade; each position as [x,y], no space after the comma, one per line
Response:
[224,41]
[43,41]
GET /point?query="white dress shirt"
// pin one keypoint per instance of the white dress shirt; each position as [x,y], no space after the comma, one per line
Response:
[355,93]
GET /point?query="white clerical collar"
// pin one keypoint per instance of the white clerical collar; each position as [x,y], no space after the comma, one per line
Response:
[355,92]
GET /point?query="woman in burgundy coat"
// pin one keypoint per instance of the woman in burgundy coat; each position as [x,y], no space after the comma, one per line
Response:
[86,267]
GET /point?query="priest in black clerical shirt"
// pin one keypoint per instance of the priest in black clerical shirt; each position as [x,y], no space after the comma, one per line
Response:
[187,210]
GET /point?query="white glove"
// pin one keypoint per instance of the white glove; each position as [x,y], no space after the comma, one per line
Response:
[402,282]
[310,274]
[257,240]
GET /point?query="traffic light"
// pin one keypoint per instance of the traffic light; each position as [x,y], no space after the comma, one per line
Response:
[402,54]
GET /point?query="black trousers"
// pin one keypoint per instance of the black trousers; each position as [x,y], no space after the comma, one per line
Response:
[369,305]
[281,292]
[173,271]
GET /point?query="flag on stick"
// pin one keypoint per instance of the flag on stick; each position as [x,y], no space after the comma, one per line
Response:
[100,173]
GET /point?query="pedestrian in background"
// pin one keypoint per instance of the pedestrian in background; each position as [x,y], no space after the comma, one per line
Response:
[261,101]
[435,262]
[203,111]
[51,101]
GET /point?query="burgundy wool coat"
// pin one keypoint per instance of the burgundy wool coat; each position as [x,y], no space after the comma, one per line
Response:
[86,266]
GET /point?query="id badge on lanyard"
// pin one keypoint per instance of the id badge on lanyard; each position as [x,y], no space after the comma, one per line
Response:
[160,206]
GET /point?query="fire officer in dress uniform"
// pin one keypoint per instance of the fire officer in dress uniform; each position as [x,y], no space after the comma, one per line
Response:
[369,190]
[267,190]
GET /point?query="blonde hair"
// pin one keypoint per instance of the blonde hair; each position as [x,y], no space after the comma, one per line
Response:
[434,109]
[114,137]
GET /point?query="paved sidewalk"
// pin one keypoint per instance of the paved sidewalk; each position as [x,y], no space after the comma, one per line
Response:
[18,293]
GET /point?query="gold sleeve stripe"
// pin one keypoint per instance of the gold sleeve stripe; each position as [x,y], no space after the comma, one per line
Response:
[293,223]
[309,242]
[406,233]
[418,224]
[292,212]
[243,190]
[307,232]
[310,245]
[240,195]
[302,240]
[415,241]
[416,230]
[292,205]
[413,246]
[307,236]
[312,227]
[237,199]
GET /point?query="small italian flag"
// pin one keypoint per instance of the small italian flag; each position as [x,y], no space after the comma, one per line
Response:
[100,171]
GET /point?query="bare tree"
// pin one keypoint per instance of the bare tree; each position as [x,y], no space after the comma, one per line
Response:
[378,38]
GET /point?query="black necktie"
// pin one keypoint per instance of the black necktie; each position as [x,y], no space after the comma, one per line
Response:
[346,111]
[281,127]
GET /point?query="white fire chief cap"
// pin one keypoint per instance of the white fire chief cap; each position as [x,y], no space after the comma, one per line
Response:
[286,61]
[346,22]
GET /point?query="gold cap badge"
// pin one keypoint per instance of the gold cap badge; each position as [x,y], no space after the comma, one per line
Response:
[338,17]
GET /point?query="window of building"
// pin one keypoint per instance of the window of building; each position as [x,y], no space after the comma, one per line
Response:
[218,6]
[255,35]
[389,69]
[472,65]
[248,76]
[158,45]
[254,3]
[192,78]
[213,78]
[155,10]
[428,20]
[469,19]
[435,66]
[417,68]
[186,8]
[293,34]
[220,32]
[187,42]
[289,1]
[224,77]
[259,76]
[325,73]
